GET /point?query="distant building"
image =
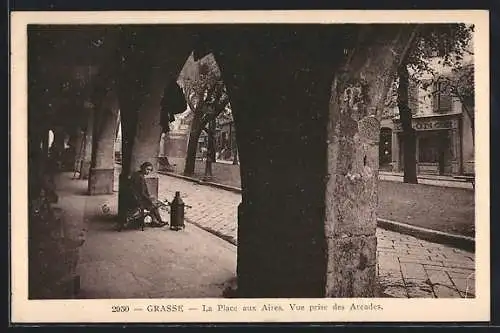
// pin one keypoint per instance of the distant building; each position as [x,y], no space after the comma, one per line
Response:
[226,139]
[444,138]
[174,143]
[118,140]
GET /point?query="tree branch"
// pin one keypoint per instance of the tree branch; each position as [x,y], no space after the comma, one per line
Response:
[409,47]
[190,103]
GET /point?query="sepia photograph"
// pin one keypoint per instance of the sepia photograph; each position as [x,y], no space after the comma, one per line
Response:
[225,162]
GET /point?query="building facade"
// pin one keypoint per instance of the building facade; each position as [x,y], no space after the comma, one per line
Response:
[226,140]
[174,143]
[444,136]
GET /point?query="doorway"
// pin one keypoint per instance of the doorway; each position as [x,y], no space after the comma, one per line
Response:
[385,149]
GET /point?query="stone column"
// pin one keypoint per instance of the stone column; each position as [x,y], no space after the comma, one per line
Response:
[157,56]
[58,144]
[162,149]
[281,139]
[146,147]
[45,143]
[141,128]
[57,150]
[307,220]
[87,144]
[103,161]
[77,142]
[358,96]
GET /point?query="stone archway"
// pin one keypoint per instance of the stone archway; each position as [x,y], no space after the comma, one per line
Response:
[308,154]
[307,127]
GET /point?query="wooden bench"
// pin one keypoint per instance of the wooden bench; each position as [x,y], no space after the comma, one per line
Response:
[468,178]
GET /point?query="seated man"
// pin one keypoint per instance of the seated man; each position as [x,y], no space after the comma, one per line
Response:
[141,196]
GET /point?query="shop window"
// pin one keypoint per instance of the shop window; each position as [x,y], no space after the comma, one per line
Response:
[428,149]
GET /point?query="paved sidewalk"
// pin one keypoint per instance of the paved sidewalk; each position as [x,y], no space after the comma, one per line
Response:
[154,263]
[230,171]
[408,267]
[435,180]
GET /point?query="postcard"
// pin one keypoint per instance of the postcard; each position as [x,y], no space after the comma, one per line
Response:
[249,166]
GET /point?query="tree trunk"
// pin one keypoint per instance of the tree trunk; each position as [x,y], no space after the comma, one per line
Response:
[212,146]
[409,136]
[194,135]
[210,150]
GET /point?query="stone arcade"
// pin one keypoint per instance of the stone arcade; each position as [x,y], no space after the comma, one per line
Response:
[306,101]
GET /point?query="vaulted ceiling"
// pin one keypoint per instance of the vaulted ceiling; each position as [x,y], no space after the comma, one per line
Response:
[65,62]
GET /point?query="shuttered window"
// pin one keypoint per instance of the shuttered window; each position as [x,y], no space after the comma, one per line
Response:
[441,97]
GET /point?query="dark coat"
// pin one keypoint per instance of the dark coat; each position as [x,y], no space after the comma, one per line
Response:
[139,190]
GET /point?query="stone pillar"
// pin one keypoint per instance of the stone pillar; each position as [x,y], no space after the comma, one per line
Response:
[356,106]
[281,140]
[146,147]
[280,219]
[307,220]
[162,149]
[103,161]
[45,143]
[57,149]
[141,128]
[351,204]
[87,144]
[58,144]
[78,145]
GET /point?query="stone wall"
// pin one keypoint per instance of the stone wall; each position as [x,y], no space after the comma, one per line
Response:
[55,240]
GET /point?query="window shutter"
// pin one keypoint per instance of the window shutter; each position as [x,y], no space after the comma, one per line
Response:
[413,98]
[435,97]
[445,100]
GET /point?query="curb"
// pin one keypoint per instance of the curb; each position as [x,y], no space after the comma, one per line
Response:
[214,232]
[420,178]
[202,182]
[433,236]
[427,177]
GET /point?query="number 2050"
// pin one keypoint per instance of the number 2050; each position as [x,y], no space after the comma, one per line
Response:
[120,308]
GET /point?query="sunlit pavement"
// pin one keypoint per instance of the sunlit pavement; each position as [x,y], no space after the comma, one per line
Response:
[408,267]
[160,263]
[154,263]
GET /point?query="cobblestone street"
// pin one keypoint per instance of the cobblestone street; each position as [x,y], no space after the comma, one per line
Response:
[450,202]
[408,267]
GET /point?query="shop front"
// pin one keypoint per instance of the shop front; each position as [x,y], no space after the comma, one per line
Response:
[438,145]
